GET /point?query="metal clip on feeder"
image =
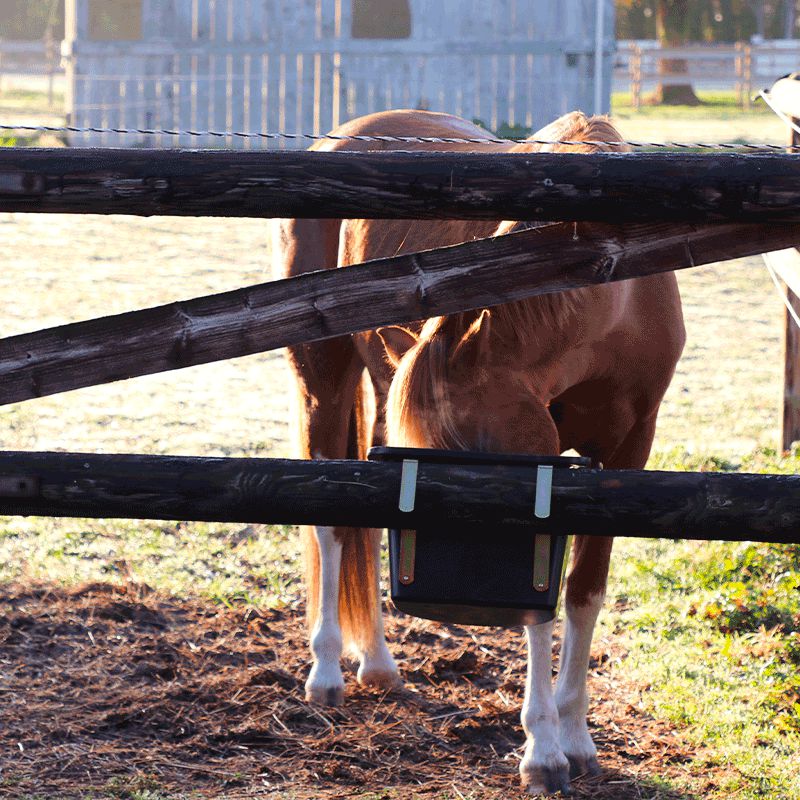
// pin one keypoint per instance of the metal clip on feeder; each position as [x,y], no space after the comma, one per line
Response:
[477,574]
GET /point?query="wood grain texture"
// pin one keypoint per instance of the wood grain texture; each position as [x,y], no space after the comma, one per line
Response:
[325,304]
[585,501]
[607,187]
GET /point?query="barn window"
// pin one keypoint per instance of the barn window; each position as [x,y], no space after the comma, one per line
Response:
[115,20]
[381,19]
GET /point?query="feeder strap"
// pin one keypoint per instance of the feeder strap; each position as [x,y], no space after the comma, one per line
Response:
[544,490]
[408,485]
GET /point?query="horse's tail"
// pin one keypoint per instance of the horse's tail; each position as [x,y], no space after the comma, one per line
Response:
[359,582]
[359,604]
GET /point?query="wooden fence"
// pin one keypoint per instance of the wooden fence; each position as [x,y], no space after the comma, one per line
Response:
[746,68]
[728,190]
[785,97]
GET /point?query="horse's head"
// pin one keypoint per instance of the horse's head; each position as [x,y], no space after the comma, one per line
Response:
[459,386]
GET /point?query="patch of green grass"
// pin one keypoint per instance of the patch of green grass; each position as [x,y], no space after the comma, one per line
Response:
[711,630]
[720,118]
[228,564]
[29,101]
[714,105]
[33,140]
[140,786]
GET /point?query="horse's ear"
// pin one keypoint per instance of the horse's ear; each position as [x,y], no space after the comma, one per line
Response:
[397,341]
[472,343]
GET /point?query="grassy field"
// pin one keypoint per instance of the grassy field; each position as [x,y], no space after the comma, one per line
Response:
[709,632]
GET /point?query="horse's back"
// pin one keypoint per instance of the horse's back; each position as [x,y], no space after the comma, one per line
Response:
[411,124]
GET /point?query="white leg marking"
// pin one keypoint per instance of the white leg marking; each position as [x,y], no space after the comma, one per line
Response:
[572,699]
[544,767]
[325,683]
[377,667]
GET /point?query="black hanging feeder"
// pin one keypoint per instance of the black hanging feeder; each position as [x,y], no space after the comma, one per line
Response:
[477,575]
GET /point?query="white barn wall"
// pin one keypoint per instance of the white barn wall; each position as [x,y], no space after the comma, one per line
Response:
[292,65]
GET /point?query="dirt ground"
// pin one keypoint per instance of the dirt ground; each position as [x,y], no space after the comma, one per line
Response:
[121,691]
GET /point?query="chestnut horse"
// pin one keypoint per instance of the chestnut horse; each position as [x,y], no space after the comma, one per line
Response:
[585,370]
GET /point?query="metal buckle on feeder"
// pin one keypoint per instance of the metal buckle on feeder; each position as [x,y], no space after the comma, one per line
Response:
[464,574]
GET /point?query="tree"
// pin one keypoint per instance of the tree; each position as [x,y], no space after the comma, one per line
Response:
[677,22]
[708,20]
[673,23]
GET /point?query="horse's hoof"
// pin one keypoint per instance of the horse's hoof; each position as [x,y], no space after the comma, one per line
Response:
[379,678]
[325,695]
[584,767]
[546,780]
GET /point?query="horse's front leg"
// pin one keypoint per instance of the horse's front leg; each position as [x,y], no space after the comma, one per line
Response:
[584,598]
[544,767]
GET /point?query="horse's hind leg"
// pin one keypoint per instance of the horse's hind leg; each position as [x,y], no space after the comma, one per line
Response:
[327,375]
[341,563]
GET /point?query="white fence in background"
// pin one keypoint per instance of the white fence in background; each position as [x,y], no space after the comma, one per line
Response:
[264,65]
[742,67]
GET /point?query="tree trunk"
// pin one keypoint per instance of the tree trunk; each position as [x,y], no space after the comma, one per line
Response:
[671,16]
[789,17]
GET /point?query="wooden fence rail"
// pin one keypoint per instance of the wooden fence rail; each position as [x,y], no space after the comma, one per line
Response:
[735,507]
[420,185]
[330,303]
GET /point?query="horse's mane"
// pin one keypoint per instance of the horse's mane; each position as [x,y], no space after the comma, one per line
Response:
[420,412]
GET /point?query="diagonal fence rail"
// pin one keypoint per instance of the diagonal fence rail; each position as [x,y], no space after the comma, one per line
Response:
[331,303]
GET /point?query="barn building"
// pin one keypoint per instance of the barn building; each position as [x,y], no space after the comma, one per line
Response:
[307,65]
